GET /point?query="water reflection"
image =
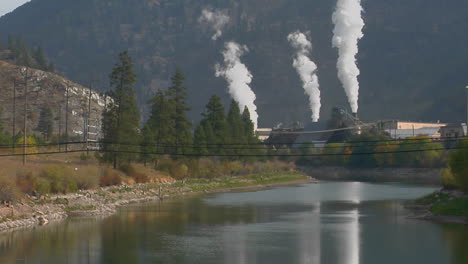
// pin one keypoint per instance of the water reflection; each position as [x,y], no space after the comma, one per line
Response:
[357,227]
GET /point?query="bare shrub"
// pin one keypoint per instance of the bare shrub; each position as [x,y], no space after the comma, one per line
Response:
[87,178]
[110,177]
[8,191]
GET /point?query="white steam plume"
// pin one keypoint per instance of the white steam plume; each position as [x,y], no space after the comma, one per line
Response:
[348,31]
[239,78]
[307,70]
[217,20]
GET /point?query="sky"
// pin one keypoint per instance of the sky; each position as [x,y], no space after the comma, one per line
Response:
[6,6]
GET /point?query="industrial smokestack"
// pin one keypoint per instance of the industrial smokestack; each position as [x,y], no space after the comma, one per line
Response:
[307,71]
[239,78]
[348,31]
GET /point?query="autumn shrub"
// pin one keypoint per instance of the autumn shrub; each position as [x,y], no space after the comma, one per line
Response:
[232,168]
[110,177]
[133,173]
[26,182]
[42,187]
[61,179]
[179,171]
[459,165]
[448,180]
[8,191]
[87,178]
[140,177]
[128,169]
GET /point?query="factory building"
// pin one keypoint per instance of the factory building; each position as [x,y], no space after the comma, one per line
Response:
[404,129]
[454,131]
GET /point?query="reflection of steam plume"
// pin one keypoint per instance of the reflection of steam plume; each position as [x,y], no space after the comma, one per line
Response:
[307,70]
[348,31]
[217,20]
[239,78]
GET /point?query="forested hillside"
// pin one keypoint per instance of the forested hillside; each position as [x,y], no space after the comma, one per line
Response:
[413,57]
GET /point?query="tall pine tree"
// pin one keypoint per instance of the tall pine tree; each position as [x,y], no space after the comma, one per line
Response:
[157,132]
[121,120]
[213,125]
[181,127]
[236,133]
[46,123]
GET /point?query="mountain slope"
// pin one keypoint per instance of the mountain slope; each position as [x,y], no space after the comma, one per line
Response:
[413,57]
[45,89]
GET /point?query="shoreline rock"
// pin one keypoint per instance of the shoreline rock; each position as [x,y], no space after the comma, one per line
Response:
[106,201]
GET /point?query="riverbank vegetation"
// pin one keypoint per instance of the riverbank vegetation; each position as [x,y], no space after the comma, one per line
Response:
[453,199]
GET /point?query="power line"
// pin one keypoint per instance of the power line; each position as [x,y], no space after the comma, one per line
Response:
[235,155]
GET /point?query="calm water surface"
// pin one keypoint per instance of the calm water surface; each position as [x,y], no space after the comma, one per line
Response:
[344,223]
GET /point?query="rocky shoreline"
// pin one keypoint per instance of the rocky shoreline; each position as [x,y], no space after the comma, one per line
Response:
[106,201]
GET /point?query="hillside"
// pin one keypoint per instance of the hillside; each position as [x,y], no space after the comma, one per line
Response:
[413,57]
[47,89]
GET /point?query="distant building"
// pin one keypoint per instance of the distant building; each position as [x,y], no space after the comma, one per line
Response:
[263,133]
[395,124]
[404,129]
[454,131]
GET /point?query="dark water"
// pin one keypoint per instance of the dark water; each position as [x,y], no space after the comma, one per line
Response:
[345,223]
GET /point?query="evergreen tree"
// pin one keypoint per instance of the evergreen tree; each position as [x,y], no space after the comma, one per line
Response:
[215,116]
[235,123]
[157,132]
[1,120]
[200,140]
[122,118]
[181,129]
[236,134]
[11,42]
[250,139]
[51,67]
[21,53]
[249,130]
[46,123]
[40,59]
[147,144]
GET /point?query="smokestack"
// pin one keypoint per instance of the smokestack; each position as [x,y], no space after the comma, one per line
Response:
[355,115]
[239,78]
[307,71]
[346,35]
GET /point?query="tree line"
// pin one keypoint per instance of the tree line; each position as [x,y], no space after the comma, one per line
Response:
[168,129]
[17,51]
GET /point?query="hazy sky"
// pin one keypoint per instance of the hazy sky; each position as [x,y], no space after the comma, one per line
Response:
[7,6]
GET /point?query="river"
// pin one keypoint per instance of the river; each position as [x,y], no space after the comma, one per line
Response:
[343,223]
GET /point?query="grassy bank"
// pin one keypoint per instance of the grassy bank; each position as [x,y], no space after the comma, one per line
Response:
[105,200]
[445,204]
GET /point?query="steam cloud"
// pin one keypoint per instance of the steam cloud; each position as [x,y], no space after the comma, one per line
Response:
[348,31]
[307,70]
[217,20]
[239,78]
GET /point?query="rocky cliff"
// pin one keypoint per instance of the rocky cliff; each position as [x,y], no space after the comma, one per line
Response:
[46,89]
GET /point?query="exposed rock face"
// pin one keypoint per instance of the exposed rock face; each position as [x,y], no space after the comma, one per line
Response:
[48,89]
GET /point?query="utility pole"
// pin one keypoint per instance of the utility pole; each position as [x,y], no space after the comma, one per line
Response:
[14,113]
[88,117]
[66,118]
[466,90]
[25,114]
[60,127]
